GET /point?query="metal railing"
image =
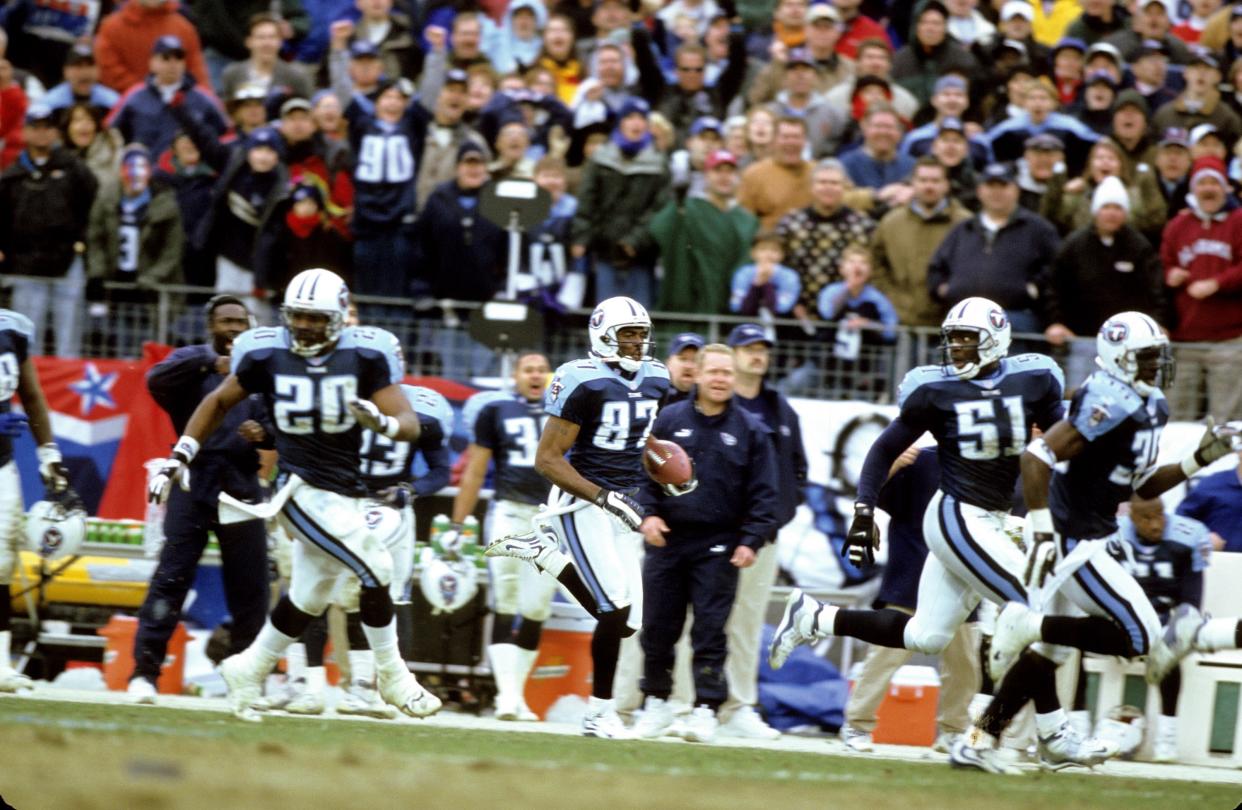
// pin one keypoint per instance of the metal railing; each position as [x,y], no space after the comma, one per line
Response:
[806,361]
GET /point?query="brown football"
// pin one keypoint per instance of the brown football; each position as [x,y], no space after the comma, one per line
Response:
[666,462]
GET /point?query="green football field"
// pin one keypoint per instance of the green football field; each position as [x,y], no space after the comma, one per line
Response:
[88,755]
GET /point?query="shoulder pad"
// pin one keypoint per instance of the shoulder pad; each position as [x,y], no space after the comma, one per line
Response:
[263,338]
[1103,403]
[380,341]
[473,407]
[916,378]
[16,322]
[657,369]
[1033,362]
[1186,531]
[429,402]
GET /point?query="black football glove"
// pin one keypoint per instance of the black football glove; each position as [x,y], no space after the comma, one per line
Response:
[620,506]
[863,538]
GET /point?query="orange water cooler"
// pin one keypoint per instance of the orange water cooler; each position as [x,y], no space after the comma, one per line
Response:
[907,714]
[119,656]
[563,666]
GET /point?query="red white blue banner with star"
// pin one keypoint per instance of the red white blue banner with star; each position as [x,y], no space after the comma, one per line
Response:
[107,425]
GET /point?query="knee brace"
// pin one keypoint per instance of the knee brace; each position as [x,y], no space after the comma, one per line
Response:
[289,619]
[375,606]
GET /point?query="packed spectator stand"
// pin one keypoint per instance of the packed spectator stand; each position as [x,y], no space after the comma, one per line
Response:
[718,161]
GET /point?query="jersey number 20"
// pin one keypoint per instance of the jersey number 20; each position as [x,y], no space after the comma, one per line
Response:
[305,404]
[990,428]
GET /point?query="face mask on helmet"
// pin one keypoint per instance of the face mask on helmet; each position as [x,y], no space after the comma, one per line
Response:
[609,320]
[56,528]
[1131,347]
[987,323]
[314,311]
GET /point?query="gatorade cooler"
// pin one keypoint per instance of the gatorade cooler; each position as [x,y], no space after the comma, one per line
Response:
[119,656]
[563,666]
[907,715]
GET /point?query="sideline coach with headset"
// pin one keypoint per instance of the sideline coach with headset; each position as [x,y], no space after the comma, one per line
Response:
[228,462]
[699,536]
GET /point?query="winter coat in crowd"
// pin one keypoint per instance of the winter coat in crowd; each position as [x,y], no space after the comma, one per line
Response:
[44,211]
[903,244]
[617,198]
[1092,280]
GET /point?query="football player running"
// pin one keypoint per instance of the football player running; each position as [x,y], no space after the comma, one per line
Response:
[1110,440]
[18,376]
[600,410]
[325,383]
[506,432]
[981,406]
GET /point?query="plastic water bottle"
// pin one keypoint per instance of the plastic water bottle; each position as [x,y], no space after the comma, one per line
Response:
[470,531]
[440,526]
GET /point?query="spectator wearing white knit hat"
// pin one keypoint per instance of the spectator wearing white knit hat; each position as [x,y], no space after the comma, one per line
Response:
[1103,266]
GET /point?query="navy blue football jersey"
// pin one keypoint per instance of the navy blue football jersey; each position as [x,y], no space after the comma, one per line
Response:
[510,427]
[316,434]
[387,462]
[983,425]
[1166,569]
[1122,429]
[613,414]
[16,334]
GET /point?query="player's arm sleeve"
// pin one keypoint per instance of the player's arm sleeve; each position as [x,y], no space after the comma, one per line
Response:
[485,433]
[570,401]
[431,443]
[181,371]
[761,521]
[891,443]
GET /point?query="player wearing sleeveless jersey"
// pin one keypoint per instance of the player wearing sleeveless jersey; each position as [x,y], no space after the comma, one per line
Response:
[325,383]
[599,410]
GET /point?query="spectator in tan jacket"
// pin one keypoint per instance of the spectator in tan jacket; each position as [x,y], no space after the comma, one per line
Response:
[777,185]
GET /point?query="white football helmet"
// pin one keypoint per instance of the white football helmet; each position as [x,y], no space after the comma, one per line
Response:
[1119,342]
[610,317]
[429,402]
[448,586]
[56,528]
[983,317]
[321,292]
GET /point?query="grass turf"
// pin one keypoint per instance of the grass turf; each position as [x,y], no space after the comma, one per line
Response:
[88,756]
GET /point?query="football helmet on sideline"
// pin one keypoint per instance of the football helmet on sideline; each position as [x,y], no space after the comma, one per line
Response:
[56,528]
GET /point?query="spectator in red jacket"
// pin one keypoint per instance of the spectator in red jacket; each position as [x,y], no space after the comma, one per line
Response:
[1202,255]
[13,103]
[127,37]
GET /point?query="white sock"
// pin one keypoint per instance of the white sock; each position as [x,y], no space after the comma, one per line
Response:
[295,661]
[599,705]
[270,645]
[316,679]
[825,619]
[502,658]
[1166,724]
[383,641]
[524,661]
[6,659]
[1048,724]
[1217,634]
[362,666]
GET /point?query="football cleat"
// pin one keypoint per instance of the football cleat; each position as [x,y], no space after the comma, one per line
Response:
[983,758]
[398,687]
[944,741]
[13,681]
[601,720]
[746,723]
[142,691]
[856,739]
[1017,627]
[700,726]
[308,702]
[361,700]
[1065,748]
[799,625]
[1177,641]
[655,720]
[537,548]
[244,680]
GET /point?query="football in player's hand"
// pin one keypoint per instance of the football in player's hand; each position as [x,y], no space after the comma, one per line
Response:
[666,462]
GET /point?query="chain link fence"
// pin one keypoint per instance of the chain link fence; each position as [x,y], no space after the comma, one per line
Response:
[808,360]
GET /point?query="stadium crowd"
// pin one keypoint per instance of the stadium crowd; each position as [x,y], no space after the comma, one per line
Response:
[854,166]
[1064,159]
